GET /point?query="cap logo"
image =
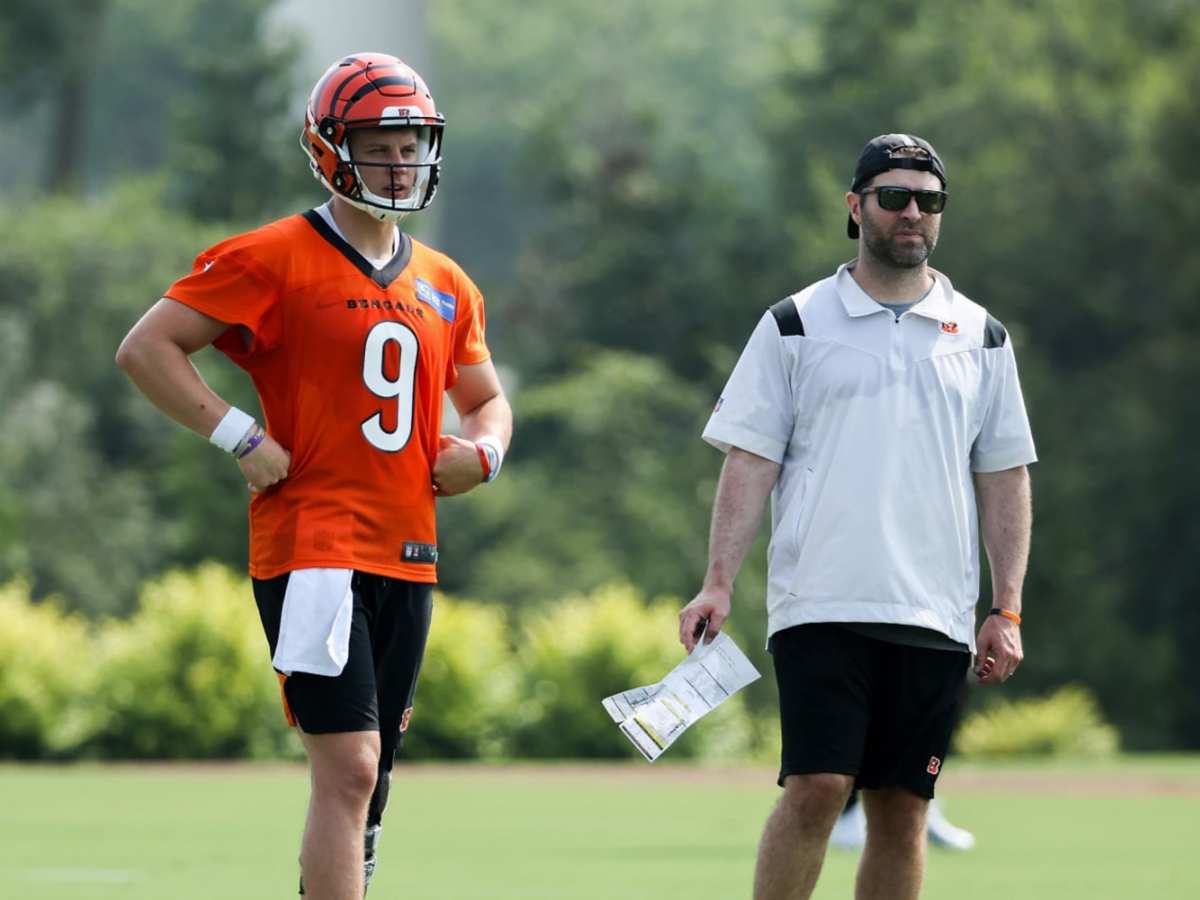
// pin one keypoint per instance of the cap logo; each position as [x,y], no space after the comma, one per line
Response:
[908,153]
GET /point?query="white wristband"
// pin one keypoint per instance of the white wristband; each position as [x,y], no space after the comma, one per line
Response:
[231,429]
[494,449]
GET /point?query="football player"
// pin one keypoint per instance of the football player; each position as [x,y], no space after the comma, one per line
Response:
[352,333]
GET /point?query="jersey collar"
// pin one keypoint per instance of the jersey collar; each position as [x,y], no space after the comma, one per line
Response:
[382,277]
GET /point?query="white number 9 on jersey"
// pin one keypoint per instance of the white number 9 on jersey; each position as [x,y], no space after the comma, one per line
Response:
[401,388]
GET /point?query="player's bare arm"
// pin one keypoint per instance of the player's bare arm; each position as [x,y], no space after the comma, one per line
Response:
[742,491]
[155,357]
[1006,518]
[465,462]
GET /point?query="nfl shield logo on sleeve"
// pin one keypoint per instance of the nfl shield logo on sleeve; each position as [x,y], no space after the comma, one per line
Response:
[934,766]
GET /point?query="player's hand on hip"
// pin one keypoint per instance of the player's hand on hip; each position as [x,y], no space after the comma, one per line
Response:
[457,468]
[265,465]
[998,650]
[710,605]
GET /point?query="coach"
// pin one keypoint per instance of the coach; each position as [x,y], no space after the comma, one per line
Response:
[881,411]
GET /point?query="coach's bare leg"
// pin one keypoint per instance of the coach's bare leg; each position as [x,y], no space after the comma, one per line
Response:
[792,848]
[344,767]
[893,862]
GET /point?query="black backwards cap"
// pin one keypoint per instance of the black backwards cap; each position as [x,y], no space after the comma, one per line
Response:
[893,151]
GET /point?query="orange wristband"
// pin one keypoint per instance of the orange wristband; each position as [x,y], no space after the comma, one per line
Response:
[485,462]
[1013,617]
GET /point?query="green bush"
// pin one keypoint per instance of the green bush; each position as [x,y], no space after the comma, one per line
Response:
[578,652]
[46,669]
[467,687]
[1067,723]
[189,676]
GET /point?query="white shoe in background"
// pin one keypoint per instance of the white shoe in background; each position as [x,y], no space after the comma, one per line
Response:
[850,830]
[943,834]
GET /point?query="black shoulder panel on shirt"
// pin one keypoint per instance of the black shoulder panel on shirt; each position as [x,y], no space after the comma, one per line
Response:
[787,318]
[994,334]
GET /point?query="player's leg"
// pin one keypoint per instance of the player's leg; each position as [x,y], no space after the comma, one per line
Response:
[915,706]
[338,718]
[400,626]
[824,714]
[374,828]
[343,769]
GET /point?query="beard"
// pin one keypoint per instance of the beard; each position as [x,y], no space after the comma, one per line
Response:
[896,245]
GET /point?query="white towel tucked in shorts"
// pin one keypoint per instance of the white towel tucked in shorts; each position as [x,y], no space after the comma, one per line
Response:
[314,628]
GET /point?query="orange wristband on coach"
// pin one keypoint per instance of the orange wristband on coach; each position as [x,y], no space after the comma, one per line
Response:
[1013,617]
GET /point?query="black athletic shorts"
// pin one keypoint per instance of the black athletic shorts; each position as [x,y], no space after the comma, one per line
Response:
[375,690]
[856,705]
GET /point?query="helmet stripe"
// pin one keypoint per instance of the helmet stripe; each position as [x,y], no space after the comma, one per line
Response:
[332,111]
[377,83]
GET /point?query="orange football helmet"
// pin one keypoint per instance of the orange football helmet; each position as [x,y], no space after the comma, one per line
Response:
[372,90]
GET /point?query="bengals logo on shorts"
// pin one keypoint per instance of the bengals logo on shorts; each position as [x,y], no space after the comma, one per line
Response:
[933,768]
[404,720]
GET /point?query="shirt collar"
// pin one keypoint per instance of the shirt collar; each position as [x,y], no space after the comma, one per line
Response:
[938,304]
[857,301]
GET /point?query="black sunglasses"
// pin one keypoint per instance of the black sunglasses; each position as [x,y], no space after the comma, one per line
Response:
[894,199]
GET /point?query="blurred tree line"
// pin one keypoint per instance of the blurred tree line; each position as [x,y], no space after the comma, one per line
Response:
[632,184]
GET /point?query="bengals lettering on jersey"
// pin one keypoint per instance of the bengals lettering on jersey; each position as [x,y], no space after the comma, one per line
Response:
[351,364]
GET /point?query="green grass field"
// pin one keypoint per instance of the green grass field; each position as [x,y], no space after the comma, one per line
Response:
[1118,830]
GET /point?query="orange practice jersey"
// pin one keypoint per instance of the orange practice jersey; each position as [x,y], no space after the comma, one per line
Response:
[350,364]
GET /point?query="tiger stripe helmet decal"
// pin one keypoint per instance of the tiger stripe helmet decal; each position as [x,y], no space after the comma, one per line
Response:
[371,90]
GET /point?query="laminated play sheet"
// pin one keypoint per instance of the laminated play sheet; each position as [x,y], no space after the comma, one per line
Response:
[655,715]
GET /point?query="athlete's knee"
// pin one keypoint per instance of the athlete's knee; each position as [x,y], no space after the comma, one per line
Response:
[816,792]
[354,780]
[348,775]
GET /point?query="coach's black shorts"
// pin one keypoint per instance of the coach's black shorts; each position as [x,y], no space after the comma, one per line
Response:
[375,690]
[855,705]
